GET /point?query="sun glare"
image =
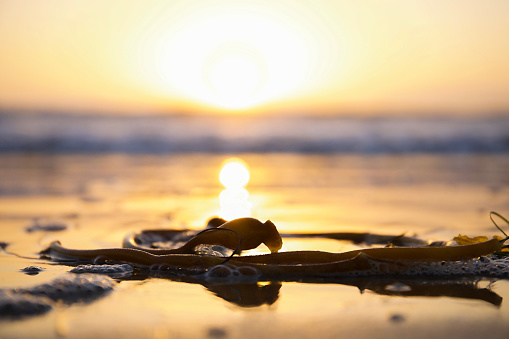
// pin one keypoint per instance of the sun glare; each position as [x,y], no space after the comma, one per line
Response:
[234,199]
[234,173]
[234,79]
[230,57]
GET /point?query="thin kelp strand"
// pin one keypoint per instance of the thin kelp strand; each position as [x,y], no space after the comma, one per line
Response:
[235,251]
[501,217]
[3,247]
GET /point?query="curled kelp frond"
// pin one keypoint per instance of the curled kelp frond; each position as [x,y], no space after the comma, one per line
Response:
[238,234]
[169,239]
[411,261]
[247,233]
[371,261]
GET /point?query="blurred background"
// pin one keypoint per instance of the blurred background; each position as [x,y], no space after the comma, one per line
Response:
[243,76]
[316,99]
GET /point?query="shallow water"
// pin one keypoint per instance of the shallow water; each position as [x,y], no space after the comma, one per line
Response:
[100,198]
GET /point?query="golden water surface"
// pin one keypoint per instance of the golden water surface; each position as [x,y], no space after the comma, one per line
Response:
[100,198]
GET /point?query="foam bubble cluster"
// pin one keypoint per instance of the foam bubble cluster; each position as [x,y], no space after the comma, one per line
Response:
[231,273]
[213,250]
[488,266]
[116,271]
[71,289]
[17,305]
[20,302]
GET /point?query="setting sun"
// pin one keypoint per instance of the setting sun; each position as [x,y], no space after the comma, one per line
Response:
[235,80]
[223,56]
[234,56]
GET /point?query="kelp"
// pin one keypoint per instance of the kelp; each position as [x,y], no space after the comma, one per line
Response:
[151,240]
[247,233]
[238,235]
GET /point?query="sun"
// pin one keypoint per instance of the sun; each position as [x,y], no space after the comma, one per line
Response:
[235,74]
[235,80]
[229,57]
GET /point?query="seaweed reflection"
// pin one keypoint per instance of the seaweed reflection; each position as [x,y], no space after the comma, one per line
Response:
[254,294]
[247,294]
[21,303]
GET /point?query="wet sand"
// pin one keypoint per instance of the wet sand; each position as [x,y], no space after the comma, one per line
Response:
[100,198]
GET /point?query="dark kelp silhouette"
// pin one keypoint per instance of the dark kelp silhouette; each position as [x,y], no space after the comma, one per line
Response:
[253,281]
[247,233]
[413,270]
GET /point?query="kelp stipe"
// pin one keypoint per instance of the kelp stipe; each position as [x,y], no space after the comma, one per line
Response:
[502,241]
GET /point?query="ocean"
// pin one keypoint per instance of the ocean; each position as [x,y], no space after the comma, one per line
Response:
[51,132]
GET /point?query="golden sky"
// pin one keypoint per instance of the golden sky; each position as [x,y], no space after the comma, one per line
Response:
[255,56]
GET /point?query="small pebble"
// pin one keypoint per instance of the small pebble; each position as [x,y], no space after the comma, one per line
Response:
[216,332]
[47,227]
[397,318]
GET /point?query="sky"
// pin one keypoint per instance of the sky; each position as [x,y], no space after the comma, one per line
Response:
[331,57]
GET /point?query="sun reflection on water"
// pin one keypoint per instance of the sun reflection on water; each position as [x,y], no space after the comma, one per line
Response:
[234,199]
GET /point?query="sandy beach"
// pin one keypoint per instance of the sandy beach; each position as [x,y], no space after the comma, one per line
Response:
[101,198]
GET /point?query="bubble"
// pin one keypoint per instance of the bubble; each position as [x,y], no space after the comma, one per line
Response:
[247,271]
[231,273]
[219,271]
[398,287]
[489,266]
[111,270]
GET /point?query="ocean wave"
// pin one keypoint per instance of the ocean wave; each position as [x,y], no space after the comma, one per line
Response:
[226,134]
